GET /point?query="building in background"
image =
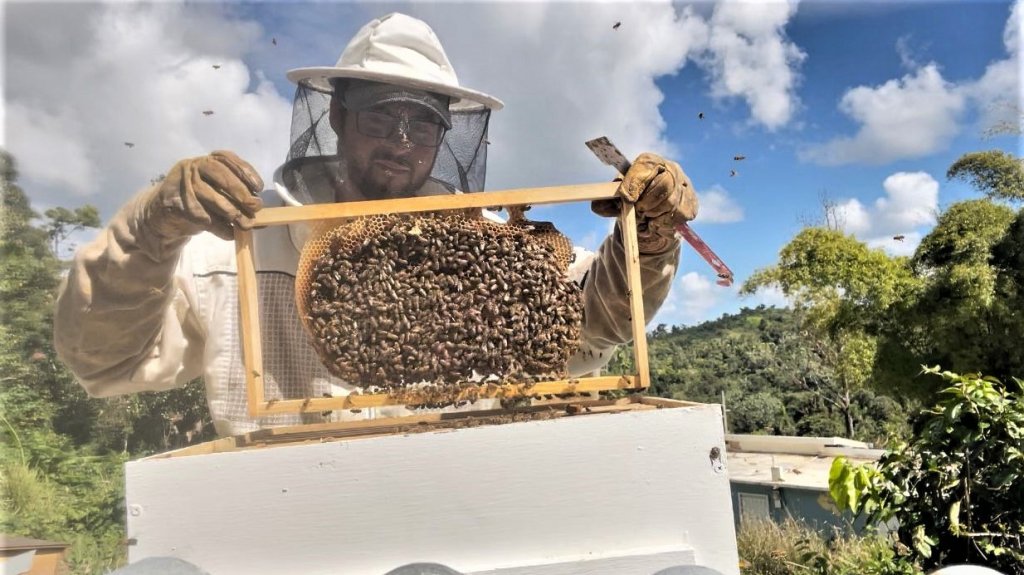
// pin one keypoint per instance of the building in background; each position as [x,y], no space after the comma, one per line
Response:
[24,556]
[775,477]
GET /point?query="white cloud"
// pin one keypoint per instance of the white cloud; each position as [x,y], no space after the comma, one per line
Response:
[99,75]
[691,299]
[853,217]
[750,57]
[563,85]
[718,207]
[893,221]
[1011,34]
[906,53]
[767,296]
[906,118]
[910,202]
[696,298]
[51,148]
[588,80]
[899,245]
[85,78]
[998,93]
[921,112]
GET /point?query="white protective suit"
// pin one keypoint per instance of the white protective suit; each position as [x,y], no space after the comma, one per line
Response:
[133,316]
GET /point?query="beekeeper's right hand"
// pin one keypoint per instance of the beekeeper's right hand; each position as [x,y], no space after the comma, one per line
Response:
[209,193]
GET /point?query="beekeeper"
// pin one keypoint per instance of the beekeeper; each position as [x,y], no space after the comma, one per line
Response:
[152,303]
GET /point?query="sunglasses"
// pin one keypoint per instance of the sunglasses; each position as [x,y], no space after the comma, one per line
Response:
[380,125]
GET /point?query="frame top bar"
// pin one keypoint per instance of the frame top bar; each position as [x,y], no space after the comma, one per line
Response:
[518,197]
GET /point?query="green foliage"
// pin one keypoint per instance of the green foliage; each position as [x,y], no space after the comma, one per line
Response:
[822,266]
[995,173]
[30,502]
[971,267]
[149,422]
[774,380]
[63,222]
[872,318]
[963,235]
[61,452]
[761,412]
[71,508]
[956,488]
[965,316]
[844,291]
[792,548]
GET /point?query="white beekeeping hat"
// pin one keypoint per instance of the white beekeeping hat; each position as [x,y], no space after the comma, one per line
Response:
[400,50]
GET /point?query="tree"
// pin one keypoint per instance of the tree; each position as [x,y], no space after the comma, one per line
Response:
[955,489]
[761,412]
[64,222]
[966,314]
[1008,260]
[964,235]
[844,291]
[28,271]
[51,486]
[995,173]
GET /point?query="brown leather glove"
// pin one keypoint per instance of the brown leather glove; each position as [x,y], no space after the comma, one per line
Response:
[664,198]
[208,193]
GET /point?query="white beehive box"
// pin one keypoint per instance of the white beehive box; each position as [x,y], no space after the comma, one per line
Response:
[627,487]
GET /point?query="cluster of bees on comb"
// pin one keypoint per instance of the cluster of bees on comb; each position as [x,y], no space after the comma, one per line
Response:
[431,301]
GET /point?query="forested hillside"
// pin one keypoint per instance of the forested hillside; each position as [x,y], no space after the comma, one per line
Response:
[773,379]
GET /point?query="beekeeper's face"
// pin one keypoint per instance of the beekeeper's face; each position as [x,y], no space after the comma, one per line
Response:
[389,150]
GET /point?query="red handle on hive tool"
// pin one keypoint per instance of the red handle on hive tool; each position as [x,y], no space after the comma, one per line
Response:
[609,154]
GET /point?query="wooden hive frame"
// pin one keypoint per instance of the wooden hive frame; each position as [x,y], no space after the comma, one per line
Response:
[252,347]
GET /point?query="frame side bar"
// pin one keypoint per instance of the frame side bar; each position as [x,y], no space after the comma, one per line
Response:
[248,306]
[627,224]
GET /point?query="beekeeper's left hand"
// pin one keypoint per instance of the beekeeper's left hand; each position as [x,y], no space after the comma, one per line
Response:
[664,198]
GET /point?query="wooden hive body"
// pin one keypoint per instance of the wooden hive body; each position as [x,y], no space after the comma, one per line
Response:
[589,487]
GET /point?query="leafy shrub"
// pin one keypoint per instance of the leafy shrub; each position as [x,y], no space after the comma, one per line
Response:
[955,490]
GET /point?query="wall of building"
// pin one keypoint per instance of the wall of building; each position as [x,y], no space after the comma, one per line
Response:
[811,506]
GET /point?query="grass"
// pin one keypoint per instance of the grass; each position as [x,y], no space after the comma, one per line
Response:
[32,506]
[793,548]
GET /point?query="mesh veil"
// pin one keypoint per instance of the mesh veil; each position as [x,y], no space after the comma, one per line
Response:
[461,162]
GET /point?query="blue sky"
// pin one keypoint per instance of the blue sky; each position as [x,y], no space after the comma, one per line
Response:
[865,104]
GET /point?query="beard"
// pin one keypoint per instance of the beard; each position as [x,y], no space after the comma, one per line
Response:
[377,183]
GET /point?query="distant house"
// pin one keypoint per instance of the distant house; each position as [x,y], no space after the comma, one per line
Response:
[24,556]
[775,477]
